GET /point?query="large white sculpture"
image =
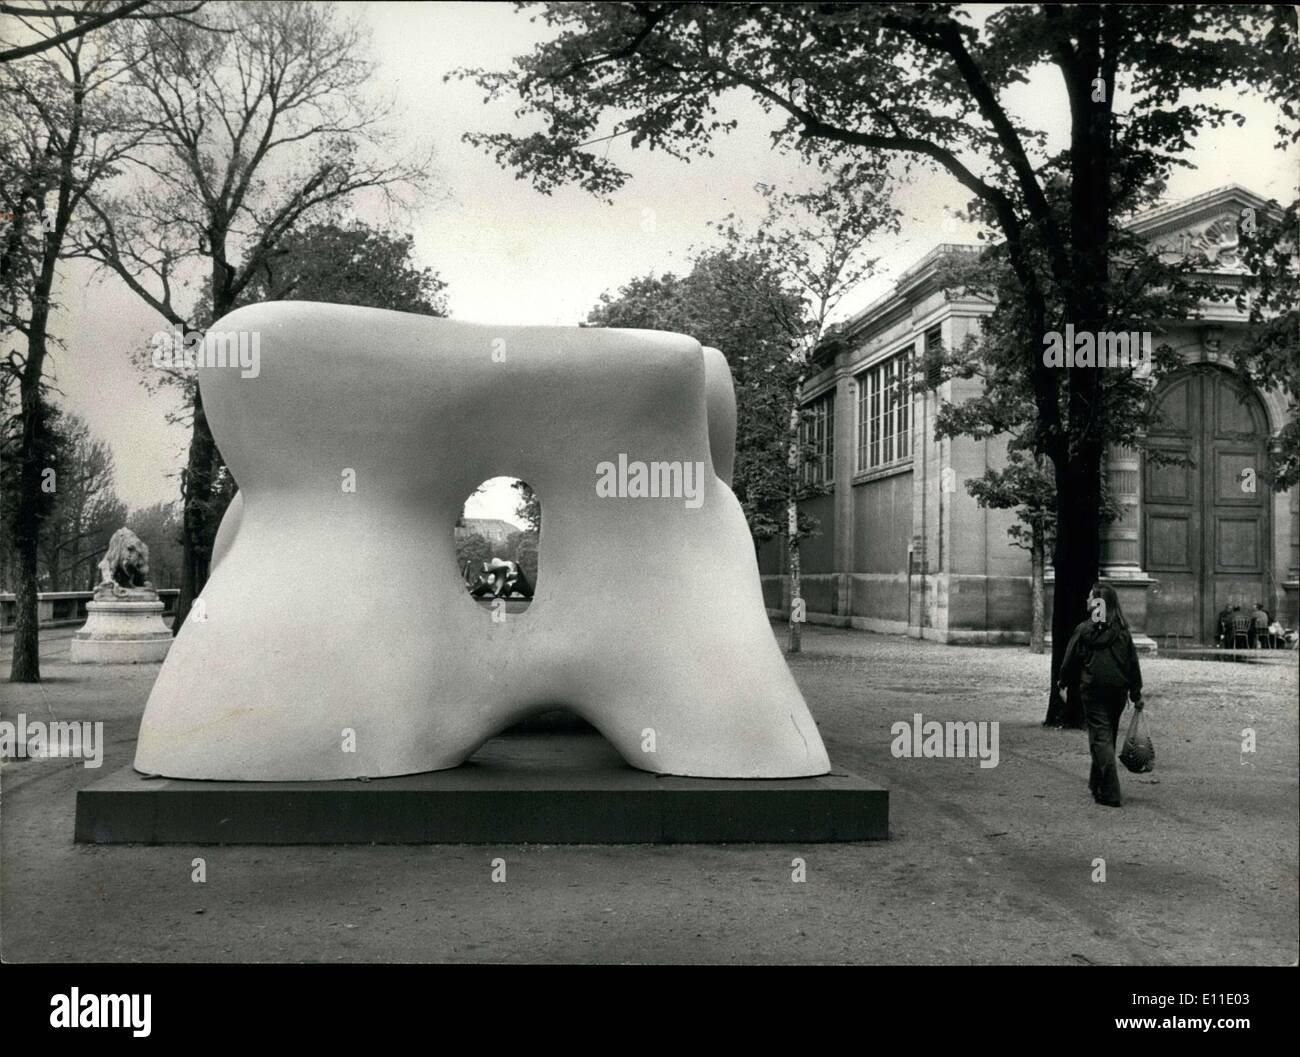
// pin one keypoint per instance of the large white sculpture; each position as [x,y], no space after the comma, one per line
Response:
[335,637]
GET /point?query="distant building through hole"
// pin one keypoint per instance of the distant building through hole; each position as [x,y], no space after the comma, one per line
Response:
[497,537]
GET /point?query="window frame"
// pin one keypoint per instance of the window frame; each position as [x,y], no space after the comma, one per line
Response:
[817,427]
[884,412]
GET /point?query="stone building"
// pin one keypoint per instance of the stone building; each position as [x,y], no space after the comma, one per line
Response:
[903,546]
[494,530]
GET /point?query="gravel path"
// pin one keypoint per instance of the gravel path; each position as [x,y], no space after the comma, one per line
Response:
[984,865]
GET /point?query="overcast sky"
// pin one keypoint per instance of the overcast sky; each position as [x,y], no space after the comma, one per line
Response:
[511,255]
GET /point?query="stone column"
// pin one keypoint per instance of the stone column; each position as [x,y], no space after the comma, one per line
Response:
[1121,542]
[1291,585]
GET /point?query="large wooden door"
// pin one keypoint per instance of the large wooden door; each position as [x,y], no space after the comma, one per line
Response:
[1205,525]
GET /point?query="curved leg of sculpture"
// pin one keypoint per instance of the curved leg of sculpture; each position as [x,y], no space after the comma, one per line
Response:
[720,399]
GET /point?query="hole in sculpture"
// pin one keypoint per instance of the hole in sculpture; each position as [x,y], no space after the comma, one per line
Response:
[496,545]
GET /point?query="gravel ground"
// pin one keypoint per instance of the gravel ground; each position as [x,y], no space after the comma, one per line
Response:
[984,865]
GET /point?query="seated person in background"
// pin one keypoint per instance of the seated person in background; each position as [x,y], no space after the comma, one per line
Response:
[1259,622]
[1225,624]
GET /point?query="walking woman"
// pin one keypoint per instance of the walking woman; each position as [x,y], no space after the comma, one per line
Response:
[1101,657]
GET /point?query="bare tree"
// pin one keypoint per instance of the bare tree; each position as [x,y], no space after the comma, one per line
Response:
[62,130]
[84,18]
[252,131]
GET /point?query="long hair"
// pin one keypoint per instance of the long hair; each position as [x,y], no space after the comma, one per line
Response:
[1110,601]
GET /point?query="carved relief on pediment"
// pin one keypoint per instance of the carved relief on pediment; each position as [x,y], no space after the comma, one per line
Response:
[1217,240]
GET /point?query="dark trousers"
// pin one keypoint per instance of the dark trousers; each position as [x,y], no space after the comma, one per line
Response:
[1102,716]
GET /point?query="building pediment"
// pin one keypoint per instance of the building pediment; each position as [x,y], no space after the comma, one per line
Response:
[1207,226]
[1218,240]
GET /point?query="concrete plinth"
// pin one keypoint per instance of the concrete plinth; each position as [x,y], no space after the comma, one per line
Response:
[1133,589]
[122,631]
[542,788]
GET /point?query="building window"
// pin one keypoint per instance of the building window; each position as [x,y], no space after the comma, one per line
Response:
[817,435]
[933,351]
[884,413]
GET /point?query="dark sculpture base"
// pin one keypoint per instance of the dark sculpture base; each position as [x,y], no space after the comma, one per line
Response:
[567,788]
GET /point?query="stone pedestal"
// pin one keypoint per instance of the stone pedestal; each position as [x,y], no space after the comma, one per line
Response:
[125,630]
[559,788]
[1133,589]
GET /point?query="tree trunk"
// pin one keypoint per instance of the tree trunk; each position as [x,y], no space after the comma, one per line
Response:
[198,525]
[797,612]
[54,569]
[1076,561]
[25,666]
[1036,560]
[32,508]
[196,538]
[1078,461]
[796,597]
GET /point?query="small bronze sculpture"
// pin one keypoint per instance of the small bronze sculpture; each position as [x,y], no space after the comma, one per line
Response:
[501,579]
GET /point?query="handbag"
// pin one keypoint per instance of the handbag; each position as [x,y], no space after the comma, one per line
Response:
[1138,754]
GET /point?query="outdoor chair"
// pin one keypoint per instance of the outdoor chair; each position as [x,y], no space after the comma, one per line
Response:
[1241,631]
[1263,638]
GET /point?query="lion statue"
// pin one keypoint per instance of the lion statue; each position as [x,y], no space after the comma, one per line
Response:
[125,564]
